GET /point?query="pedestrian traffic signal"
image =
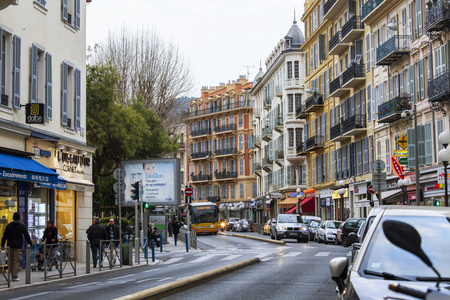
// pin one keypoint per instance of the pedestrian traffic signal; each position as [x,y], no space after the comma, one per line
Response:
[146,205]
[371,203]
[437,203]
[135,191]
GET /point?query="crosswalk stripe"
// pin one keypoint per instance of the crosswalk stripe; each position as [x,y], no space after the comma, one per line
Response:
[266,259]
[323,254]
[230,257]
[206,257]
[262,255]
[172,260]
[292,254]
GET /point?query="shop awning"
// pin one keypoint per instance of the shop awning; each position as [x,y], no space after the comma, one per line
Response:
[23,168]
[308,205]
[288,202]
[292,210]
[61,185]
[388,194]
[184,214]
[78,184]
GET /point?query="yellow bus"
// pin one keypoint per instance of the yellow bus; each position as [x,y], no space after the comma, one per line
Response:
[205,217]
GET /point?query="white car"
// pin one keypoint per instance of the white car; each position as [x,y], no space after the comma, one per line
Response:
[327,231]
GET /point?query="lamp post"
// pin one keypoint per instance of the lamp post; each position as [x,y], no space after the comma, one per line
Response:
[299,199]
[403,183]
[416,150]
[267,204]
[444,156]
[341,192]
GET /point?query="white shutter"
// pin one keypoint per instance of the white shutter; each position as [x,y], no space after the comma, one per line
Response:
[48,86]
[16,71]
[65,10]
[411,83]
[369,103]
[421,80]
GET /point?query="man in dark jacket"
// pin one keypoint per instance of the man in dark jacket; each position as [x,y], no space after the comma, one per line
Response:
[14,234]
[112,231]
[96,232]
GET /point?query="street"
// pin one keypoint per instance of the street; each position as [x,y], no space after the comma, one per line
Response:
[291,271]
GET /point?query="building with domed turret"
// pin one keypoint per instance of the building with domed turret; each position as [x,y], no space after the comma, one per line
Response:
[278,94]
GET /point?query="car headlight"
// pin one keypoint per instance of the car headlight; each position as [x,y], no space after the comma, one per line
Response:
[330,232]
[281,228]
[303,228]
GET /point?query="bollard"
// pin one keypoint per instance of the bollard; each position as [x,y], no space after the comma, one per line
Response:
[160,242]
[145,247]
[136,250]
[130,255]
[88,258]
[153,250]
[27,265]
[187,242]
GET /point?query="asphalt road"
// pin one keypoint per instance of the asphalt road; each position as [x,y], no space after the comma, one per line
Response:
[291,271]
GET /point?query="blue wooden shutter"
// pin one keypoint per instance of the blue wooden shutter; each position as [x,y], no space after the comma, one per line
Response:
[33,83]
[366,155]
[411,148]
[77,99]
[64,93]
[16,71]
[65,10]
[411,83]
[421,144]
[428,144]
[77,14]
[333,165]
[48,86]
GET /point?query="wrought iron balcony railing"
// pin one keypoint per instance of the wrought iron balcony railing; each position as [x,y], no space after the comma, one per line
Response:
[334,41]
[313,100]
[225,175]
[226,151]
[392,49]
[437,16]
[352,72]
[216,108]
[353,23]
[199,132]
[439,87]
[228,127]
[335,131]
[391,111]
[201,154]
[354,122]
[335,85]
[328,5]
[314,141]
[202,177]
[368,7]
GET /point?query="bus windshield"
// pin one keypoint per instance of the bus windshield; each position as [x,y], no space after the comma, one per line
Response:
[204,214]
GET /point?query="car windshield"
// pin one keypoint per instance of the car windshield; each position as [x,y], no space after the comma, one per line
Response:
[333,224]
[383,256]
[314,224]
[289,219]
[244,222]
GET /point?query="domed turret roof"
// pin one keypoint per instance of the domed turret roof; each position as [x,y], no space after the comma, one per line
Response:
[295,37]
[259,75]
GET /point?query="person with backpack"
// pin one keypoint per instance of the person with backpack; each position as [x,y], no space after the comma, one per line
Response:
[96,232]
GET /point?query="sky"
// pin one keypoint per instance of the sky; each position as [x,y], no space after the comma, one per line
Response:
[220,39]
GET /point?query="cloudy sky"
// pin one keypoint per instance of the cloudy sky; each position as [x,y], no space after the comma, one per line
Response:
[219,38]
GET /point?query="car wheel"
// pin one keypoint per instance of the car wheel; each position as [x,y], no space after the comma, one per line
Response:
[272,236]
[345,241]
[305,240]
[278,238]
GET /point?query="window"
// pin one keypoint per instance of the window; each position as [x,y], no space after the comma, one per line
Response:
[298,101]
[241,120]
[71,12]
[289,69]
[241,166]
[232,191]
[241,142]
[241,190]
[291,137]
[10,60]
[41,79]
[71,96]
[290,103]
[296,69]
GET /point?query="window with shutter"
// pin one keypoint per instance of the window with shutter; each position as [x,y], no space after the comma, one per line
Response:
[16,70]
[366,155]
[411,83]
[333,165]
[65,10]
[344,162]
[33,79]
[77,101]
[321,47]
[411,148]
[339,173]
[48,87]
[64,93]
[421,80]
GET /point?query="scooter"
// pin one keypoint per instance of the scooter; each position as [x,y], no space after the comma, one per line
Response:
[154,234]
[223,226]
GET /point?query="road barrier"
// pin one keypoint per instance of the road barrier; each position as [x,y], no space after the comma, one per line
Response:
[5,267]
[110,252]
[192,237]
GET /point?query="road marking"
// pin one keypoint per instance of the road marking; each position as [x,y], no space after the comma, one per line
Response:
[349,253]
[292,254]
[206,257]
[80,285]
[266,259]
[323,254]
[172,260]
[230,257]
[154,278]
[120,277]
[165,278]
[151,270]
[31,296]
[262,255]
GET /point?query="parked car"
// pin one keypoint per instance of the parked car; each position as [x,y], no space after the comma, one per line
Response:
[266,228]
[327,231]
[308,219]
[347,227]
[398,246]
[231,223]
[250,224]
[312,229]
[289,226]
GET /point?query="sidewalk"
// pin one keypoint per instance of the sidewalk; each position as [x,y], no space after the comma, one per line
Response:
[37,278]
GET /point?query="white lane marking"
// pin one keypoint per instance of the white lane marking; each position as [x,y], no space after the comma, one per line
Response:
[292,254]
[120,277]
[230,257]
[262,255]
[172,260]
[206,257]
[32,296]
[323,254]
[176,265]
[151,270]
[349,253]
[165,278]
[80,285]
[154,279]
[266,259]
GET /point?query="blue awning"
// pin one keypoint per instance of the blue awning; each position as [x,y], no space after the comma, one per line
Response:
[26,169]
[61,185]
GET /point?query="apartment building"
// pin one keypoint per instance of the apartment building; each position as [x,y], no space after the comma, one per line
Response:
[278,94]
[45,163]
[219,148]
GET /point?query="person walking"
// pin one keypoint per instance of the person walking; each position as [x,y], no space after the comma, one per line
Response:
[96,232]
[169,225]
[112,231]
[13,235]
[51,242]
[175,229]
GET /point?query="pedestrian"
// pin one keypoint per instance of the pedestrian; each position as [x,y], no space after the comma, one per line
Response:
[175,229]
[51,242]
[112,231]
[170,228]
[13,235]
[96,232]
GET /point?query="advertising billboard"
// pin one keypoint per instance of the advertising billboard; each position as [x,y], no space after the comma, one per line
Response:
[160,180]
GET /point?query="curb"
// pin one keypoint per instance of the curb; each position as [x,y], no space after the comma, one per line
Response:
[185,283]
[257,238]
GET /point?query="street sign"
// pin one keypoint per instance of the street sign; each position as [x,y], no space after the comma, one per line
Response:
[267,208]
[378,165]
[119,185]
[370,189]
[121,195]
[379,186]
[401,153]
[119,174]
[188,192]
[379,176]
[403,142]
[403,160]
[397,167]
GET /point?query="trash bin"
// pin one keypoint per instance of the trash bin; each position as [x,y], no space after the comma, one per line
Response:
[125,254]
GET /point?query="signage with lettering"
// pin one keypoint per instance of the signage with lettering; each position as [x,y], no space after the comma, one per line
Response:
[34,113]
[441,176]
[73,163]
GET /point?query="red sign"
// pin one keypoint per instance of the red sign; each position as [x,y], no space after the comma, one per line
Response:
[397,167]
[267,209]
[188,191]
[370,189]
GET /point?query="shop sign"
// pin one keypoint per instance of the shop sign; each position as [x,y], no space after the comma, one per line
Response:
[403,160]
[403,141]
[5,192]
[335,194]
[310,193]
[401,153]
[34,113]
[397,167]
[441,176]
[72,162]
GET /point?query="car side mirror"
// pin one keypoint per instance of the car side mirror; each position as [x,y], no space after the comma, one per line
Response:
[274,222]
[338,268]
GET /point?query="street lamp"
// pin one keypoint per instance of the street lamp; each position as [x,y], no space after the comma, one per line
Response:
[444,156]
[299,199]
[403,183]
[416,150]
[341,192]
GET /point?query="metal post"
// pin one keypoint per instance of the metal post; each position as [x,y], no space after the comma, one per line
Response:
[445,183]
[88,257]
[187,242]
[160,242]
[136,230]
[130,254]
[342,207]
[145,248]
[27,265]
[416,148]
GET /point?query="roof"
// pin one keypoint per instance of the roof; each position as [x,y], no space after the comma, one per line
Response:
[295,35]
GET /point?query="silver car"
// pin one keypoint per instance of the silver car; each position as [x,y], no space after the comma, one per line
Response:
[327,231]
[289,226]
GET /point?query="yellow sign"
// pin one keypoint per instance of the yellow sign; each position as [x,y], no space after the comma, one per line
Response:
[401,153]
[335,194]
[403,142]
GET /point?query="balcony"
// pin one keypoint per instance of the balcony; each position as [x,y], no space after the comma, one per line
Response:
[336,90]
[279,91]
[369,7]
[257,113]
[292,157]
[392,50]
[216,109]
[314,143]
[226,151]
[332,8]
[200,177]
[439,88]
[279,126]
[391,111]
[224,175]
[200,132]
[257,168]
[267,134]
[301,150]
[257,141]
[213,199]
[354,125]
[336,133]
[354,75]
[437,16]
[267,102]
[300,112]
[267,164]
[336,46]
[199,155]
[225,128]
[352,30]
[314,103]
[279,157]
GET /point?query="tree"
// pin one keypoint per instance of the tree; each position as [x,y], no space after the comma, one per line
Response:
[150,69]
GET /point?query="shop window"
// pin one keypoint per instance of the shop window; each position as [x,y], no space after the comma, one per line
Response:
[65,205]
[8,203]
[37,212]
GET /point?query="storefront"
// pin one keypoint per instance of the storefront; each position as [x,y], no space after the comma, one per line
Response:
[340,210]
[326,205]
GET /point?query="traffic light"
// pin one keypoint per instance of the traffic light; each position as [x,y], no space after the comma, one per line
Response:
[371,203]
[146,205]
[437,203]
[135,191]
